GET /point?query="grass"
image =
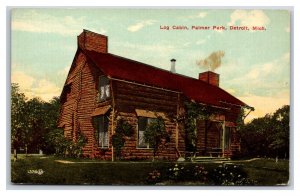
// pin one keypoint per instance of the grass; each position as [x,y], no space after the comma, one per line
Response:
[94,172]
[267,172]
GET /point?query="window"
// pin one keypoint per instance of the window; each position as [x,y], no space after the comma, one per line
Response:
[227,138]
[103,131]
[142,125]
[104,88]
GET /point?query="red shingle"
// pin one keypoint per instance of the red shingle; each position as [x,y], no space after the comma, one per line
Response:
[130,70]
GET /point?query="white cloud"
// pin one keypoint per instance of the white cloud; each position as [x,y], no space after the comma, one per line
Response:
[138,26]
[202,41]
[36,22]
[199,15]
[271,70]
[265,86]
[249,18]
[33,87]
[25,81]
[187,44]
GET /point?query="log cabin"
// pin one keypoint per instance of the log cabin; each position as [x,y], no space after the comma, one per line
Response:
[107,87]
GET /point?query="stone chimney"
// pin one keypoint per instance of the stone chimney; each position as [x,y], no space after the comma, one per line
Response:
[173,70]
[210,77]
[89,40]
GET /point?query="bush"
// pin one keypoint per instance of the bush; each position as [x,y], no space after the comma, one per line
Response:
[154,177]
[123,129]
[64,146]
[177,173]
[181,173]
[229,174]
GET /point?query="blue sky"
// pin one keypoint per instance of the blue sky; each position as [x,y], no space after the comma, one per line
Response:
[255,66]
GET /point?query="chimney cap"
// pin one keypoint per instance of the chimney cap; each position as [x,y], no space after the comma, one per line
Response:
[173,60]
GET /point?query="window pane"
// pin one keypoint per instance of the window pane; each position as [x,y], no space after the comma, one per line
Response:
[142,123]
[102,93]
[104,89]
[142,127]
[142,143]
[103,131]
[107,91]
[105,139]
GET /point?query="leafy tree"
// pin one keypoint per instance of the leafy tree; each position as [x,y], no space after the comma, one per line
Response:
[18,123]
[279,139]
[36,124]
[267,136]
[31,121]
[155,134]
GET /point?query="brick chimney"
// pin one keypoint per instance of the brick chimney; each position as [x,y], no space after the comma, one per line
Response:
[210,77]
[89,40]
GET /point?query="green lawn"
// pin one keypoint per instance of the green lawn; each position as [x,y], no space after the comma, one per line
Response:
[46,170]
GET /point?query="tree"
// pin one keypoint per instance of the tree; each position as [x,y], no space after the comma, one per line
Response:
[31,121]
[18,122]
[36,125]
[267,136]
[155,134]
[50,117]
[279,139]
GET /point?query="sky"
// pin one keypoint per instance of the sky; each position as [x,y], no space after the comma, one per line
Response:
[253,65]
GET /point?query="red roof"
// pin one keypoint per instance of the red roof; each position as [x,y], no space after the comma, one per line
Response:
[121,68]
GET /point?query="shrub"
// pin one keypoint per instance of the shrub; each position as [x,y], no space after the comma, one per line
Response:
[229,174]
[154,177]
[123,129]
[200,174]
[176,173]
[64,146]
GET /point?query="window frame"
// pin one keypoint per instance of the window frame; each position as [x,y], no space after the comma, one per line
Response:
[101,138]
[138,132]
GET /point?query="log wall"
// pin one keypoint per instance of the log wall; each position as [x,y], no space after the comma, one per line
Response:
[81,100]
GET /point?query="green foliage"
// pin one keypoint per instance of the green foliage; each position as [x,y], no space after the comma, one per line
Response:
[155,134]
[154,177]
[123,129]
[31,120]
[75,149]
[118,142]
[18,123]
[59,142]
[229,174]
[194,112]
[267,136]
[64,146]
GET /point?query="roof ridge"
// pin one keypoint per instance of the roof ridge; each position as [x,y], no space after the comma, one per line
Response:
[176,77]
[152,66]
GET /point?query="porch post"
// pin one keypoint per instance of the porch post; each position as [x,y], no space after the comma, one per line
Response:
[223,138]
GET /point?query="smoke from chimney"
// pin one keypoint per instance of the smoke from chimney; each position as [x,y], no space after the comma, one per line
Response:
[213,61]
[173,70]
